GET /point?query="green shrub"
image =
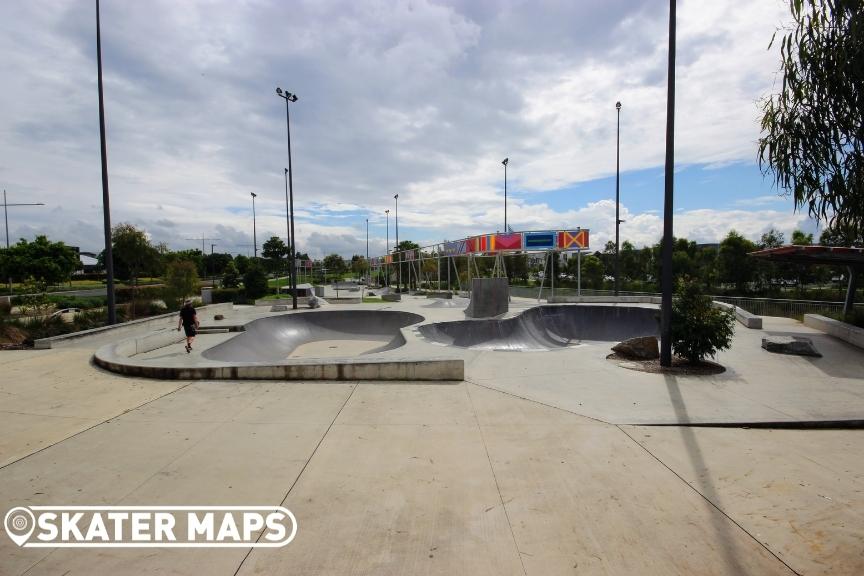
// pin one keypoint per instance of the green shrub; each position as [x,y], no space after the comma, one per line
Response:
[699,329]
[125,293]
[234,295]
[255,282]
[84,303]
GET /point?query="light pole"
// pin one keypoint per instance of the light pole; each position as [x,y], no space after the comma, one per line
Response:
[388,246]
[254,231]
[289,97]
[399,268]
[289,225]
[106,207]
[504,162]
[368,268]
[666,283]
[617,200]
[6,216]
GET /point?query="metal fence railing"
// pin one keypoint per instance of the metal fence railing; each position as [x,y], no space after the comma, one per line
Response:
[758,306]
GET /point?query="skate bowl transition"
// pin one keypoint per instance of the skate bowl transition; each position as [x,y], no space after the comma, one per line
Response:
[548,328]
[275,338]
[298,346]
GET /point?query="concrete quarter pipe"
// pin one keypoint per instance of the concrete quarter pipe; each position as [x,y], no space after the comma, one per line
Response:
[547,328]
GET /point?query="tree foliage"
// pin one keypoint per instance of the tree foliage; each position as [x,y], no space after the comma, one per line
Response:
[181,280]
[699,329]
[133,254]
[812,141]
[254,281]
[41,261]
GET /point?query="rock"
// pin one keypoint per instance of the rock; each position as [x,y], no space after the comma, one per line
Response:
[313,302]
[799,346]
[643,348]
[219,317]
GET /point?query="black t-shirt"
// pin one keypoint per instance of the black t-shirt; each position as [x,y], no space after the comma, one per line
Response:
[187,313]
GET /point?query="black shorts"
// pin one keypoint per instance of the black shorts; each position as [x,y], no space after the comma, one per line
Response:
[190,330]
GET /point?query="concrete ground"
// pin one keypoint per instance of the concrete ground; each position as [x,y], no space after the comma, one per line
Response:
[501,474]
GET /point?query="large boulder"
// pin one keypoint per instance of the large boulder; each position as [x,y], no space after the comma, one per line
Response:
[798,346]
[642,348]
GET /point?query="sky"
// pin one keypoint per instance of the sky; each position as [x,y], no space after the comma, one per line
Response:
[418,98]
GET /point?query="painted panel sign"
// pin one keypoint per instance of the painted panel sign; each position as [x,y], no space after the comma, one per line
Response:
[539,240]
[505,242]
[453,248]
[572,239]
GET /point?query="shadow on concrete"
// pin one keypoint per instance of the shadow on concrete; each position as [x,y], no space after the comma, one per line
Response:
[723,526]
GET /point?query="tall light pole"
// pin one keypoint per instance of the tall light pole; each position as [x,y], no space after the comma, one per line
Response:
[618,200]
[399,268]
[388,245]
[504,162]
[292,248]
[106,207]
[6,205]
[666,284]
[289,226]
[368,268]
[254,231]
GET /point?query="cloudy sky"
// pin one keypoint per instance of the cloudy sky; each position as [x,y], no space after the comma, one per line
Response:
[420,98]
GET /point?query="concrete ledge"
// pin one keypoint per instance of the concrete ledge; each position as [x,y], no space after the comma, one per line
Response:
[846,332]
[604,299]
[345,300]
[391,297]
[165,321]
[442,294]
[301,301]
[114,357]
[746,318]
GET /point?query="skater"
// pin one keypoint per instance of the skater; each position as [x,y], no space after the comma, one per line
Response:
[189,320]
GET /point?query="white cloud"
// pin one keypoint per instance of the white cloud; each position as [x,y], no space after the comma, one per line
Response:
[420,98]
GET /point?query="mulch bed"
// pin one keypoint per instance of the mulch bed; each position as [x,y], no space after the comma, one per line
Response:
[680,366]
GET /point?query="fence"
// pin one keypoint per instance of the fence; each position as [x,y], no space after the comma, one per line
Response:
[758,306]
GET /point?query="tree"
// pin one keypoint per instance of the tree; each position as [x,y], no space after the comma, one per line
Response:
[242,263]
[735,267]
[254,281]
[771,239]
[42,261]
[133,254]
[812,139]
[181,280]
[698,328]
[194,255]
[274,250]
[801,239]
[592,271]
[334,264]
[359,265]
[231,276]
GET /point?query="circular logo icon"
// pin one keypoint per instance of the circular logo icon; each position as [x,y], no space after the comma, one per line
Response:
[19,523]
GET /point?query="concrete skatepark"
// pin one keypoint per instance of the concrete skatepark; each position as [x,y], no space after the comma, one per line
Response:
[550,461]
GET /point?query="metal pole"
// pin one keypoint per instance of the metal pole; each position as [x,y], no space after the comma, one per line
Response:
[399,269]
[292,250]
[254,231]
[6,216]
[505,162]
[617,200]
[288,225]
[579,272]
[666,299]
[106,205]
[386,264]
[368,269]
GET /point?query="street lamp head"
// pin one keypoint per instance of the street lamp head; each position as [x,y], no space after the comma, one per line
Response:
[505,161]
[253,195]
[286,170]
[396,196]
[278,90]
[618,105]
[291,97]
[387,211]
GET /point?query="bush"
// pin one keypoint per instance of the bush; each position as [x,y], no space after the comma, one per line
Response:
[181,280]
[254,282]
[234,295]
[125,293]
[61,302]
[698,328]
